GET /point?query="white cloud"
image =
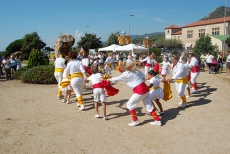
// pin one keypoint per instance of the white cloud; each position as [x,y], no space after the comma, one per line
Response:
[77,36]
[157,19]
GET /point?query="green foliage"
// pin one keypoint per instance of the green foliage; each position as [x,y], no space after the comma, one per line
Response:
[169,44]
[36,58]
[159,59]
[31,41]
[153,38]
[39,75]
[157,51]
[204,44]
[227,41]
[90,41]
[113,39]
[14,47]
[19,72]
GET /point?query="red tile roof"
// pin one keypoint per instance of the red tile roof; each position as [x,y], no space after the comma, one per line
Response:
[177,33]
[208,22]
[173,27]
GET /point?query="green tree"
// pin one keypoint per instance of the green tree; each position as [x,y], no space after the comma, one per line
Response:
[113,39]
[31,41]
[227,41]
[14,47]
[204,44]
[36,58]
[90,41]
[169,44]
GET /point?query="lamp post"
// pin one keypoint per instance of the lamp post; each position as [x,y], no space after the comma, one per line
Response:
[224,26]
[85,28]
[129,23]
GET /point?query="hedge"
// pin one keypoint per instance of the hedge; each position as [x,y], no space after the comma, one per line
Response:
[19,72]
[43,74]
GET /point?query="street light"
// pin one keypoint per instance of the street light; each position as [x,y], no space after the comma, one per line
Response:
[129,23]
[223,48]
[85,28]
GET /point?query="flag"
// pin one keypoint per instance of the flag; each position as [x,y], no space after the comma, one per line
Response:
[149,43]
[121,40]
[145,43]
[127,39]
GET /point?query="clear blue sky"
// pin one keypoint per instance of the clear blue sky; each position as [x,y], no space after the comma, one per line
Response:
[49,18]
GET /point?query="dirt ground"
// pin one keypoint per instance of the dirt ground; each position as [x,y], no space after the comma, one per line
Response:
[34,121]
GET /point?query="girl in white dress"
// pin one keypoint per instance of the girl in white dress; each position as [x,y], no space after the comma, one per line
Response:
[98,91]
[150,62]
[165,68]
[156,92]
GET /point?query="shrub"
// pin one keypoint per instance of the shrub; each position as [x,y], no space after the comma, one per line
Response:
[19,72]
[40,75]
[36,58]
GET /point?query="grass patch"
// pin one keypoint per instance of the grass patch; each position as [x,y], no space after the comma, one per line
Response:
[25,62]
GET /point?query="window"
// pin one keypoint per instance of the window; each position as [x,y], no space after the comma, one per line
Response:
[178,37]
[189,33]
[216,31]
[168,31]
[174,37]
[201,32]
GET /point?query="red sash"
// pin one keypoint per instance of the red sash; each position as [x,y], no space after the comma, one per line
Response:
[195,69]
[98,85]
[148,65]
[141,89]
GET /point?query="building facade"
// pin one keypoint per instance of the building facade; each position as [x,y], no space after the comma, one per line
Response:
[189,33]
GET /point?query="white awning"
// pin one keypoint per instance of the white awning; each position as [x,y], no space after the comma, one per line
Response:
[188,44]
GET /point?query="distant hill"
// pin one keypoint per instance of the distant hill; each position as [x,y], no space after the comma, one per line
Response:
[217,13]
[145,35]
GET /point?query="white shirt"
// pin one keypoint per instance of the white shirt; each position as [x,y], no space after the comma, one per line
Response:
[209,58]
[165,65]
[129,61]
[149,61]
[155,81]
[95,78]
[109,60]
[132,79]
[74,66]
[85,62]
[228,58]
[193,62]
[187,68]
[95,63]
[100,59]
[59,63]
[179,71]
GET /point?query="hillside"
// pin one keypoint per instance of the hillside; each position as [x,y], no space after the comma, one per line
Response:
[217,13]
[145,35]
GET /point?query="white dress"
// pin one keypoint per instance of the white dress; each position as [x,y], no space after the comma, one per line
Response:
[158,93]
[165,66]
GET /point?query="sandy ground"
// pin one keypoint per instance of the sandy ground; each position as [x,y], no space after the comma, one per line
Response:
[34,121]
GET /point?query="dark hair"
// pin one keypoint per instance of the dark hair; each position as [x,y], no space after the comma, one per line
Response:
[192,54]
[153,73]
[94,69]
[176,57]
[73,55]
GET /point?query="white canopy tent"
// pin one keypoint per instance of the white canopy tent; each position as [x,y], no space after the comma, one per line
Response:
[132,47]
[109,48]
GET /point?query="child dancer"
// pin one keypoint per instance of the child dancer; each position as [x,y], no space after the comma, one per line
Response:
[135,79]
[67,90]
[98,91]
[165,66]
[188,70]
[156,93]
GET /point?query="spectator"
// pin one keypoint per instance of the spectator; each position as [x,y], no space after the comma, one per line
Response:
[7,68]
[47,59]
[1,73]
[18,61]
[228,62]
[209,58]
[13,64]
